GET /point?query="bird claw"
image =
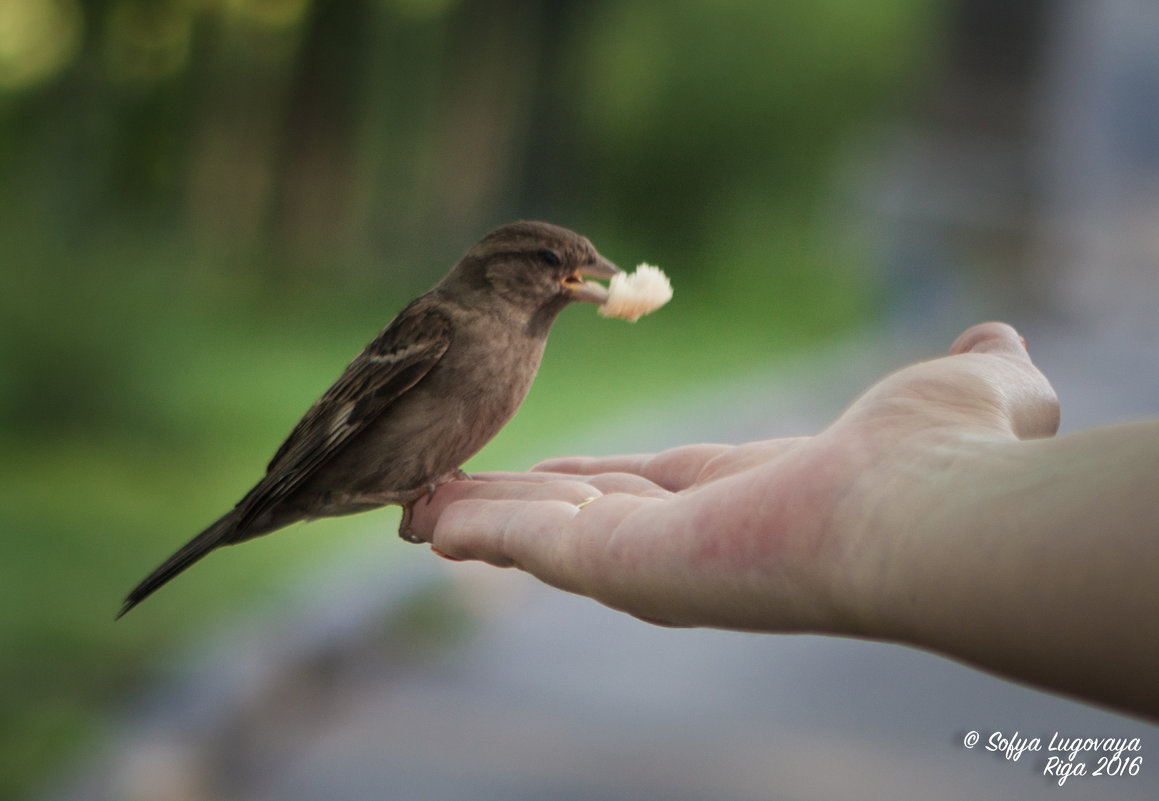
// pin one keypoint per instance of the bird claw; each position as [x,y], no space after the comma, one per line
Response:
[404,529]
[405,532]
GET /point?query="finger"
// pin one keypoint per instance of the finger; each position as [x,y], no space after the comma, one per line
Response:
[532,476]
[561,488]
[543,487]
[987,384]
[424,516]
[992,337]
[1028,400]
[560,543]
[604,482]
[747,456]
[673,469]
[495,531]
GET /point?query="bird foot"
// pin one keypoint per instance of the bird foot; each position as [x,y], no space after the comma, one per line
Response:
[458,475]
[404,527]
[405,532]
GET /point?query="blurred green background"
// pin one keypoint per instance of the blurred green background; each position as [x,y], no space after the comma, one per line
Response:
[208,206]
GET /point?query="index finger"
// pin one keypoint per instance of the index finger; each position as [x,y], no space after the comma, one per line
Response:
[674,469]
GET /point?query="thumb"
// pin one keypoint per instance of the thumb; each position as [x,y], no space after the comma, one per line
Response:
[1030,401]
[990,338]
[987,383]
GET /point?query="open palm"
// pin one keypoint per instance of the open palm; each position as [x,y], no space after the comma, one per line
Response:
[785,534]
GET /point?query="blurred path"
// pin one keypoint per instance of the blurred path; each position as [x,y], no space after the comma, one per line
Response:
[522,692]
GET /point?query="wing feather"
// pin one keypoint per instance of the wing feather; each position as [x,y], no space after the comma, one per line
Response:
[396,360]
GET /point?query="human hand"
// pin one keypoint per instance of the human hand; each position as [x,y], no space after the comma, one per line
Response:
[778,535]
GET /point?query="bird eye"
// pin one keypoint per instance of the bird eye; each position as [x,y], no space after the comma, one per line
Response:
[549,257]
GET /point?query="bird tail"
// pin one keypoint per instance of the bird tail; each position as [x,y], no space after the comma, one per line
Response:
[222,532]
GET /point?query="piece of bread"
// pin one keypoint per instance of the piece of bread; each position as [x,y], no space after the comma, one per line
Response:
[630,297]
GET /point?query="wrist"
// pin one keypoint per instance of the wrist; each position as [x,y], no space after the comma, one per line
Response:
[910,528]
[1028,558]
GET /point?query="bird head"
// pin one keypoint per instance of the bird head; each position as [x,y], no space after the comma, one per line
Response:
[534,267]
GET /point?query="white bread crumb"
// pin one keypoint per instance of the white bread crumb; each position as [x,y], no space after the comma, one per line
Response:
[630,297]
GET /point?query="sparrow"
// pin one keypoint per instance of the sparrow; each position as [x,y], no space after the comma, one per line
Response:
[427,393]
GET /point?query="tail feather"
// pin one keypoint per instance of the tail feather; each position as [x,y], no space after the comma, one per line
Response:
[222,532]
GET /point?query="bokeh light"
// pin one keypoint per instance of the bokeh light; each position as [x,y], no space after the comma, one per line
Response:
[38,39]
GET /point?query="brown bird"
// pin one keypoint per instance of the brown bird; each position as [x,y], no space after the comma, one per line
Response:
[425,395]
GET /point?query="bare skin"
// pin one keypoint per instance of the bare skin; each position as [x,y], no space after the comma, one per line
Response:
[937,511]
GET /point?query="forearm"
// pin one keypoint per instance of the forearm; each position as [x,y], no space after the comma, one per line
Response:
[1037,560]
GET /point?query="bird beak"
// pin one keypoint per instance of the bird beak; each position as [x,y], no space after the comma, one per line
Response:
[590,291]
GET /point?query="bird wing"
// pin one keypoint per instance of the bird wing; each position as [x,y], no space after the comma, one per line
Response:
[396,360]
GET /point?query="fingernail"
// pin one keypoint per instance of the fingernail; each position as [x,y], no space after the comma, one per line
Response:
[446,556]
[987,338]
